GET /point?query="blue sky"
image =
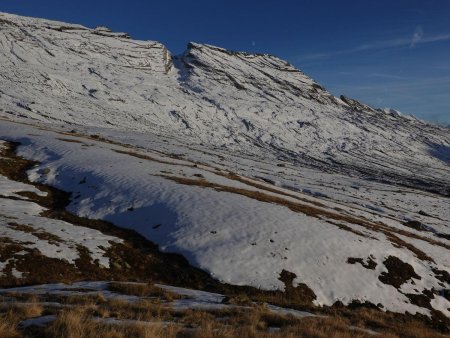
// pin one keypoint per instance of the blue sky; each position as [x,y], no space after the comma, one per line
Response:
[384,53]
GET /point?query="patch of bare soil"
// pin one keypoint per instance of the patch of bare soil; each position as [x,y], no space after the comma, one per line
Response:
[369,263]
[39,233]
[398,273]
[300,291]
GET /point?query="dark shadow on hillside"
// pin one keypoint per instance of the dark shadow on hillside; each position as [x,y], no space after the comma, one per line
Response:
[441,152]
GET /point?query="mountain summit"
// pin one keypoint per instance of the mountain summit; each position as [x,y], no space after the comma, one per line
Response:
[53,71]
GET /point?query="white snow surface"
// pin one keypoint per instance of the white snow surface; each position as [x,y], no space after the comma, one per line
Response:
[37,321]
[209,112]
[238,239]
[64,246]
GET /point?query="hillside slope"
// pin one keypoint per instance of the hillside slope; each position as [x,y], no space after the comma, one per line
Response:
[239,162]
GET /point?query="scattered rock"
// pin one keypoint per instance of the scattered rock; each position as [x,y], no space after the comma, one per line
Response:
[423,213]
[417,225]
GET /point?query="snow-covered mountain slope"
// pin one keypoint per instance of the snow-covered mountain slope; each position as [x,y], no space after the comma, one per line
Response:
[27,235]
[239,162]
[64,73]
[364,242]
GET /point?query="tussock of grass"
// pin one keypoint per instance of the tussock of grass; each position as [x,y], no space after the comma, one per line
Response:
[8,327]
[75,323]
[26,311]
[143,290]
[88,299]
[13,314]
[240,299]
[32,308]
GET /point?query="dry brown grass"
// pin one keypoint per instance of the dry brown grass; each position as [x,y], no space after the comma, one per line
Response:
[322,328]
[143,290]
[26,311]
[85,299]
[144,310]
[31,308]
[11,316]
[257,322]
[8,327]
[239,299]
[39,233]
[149,158]
[148,318]
[23,297]
[391,324]
[260,322]
[75,323]
[416,330]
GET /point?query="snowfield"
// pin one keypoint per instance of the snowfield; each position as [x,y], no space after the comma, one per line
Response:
[21,222]
[237,239]
[239,162]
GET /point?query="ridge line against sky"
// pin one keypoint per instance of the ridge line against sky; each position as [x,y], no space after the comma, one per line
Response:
[384,53]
